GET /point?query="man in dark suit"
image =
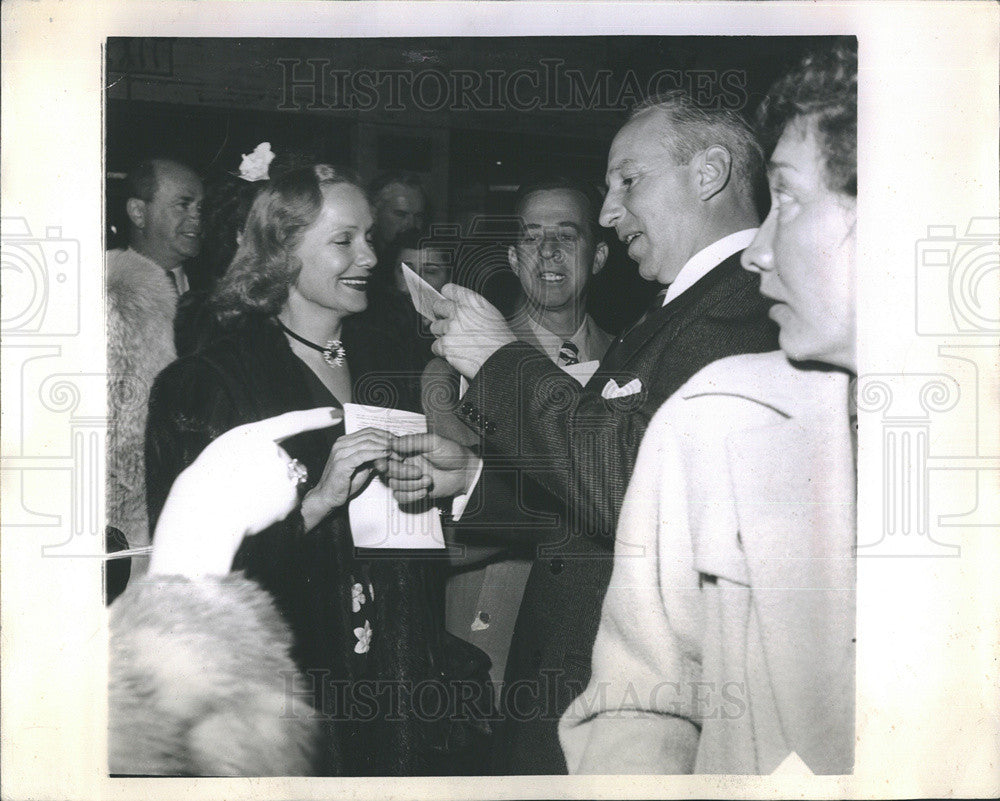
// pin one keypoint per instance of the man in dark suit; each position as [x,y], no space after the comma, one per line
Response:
[558,250]
[681,187]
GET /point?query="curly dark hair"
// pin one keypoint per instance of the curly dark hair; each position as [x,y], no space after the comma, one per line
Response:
[823,88]
[265,266]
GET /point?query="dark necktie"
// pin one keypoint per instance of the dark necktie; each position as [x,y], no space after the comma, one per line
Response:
[569,353]
[654,306]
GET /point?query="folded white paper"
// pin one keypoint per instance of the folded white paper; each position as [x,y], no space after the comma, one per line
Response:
[422,294]
[376,519]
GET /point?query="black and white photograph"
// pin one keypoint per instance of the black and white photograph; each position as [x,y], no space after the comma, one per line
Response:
[451,403]
[606,194]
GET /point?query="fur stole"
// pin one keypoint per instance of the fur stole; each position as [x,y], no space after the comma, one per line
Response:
[201,682]
[141,304]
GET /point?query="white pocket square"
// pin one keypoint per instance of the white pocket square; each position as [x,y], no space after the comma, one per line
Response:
[612,390]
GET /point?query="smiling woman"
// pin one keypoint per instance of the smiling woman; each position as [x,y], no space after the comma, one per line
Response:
[285,307]
[335,254]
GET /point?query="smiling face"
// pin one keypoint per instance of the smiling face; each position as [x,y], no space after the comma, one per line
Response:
[804,252]
[336,253]
[652,202]
[556,254]
[170,222]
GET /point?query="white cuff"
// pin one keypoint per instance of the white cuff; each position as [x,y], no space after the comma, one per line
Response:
[459,502]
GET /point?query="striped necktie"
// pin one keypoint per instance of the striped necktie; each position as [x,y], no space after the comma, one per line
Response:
[569,353]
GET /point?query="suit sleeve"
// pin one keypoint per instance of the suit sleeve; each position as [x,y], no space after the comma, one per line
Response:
[573,442]
[581,446]
[497,514]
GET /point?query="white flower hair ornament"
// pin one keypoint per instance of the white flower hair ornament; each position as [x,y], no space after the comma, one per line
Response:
[254,165]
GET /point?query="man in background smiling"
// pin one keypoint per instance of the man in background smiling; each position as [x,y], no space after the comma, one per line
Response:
[143,285]
[557,254]
[164,212]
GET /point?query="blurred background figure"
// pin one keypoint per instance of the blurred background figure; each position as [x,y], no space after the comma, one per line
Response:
[144,281]
[400,203]
[431,263]
[401,210]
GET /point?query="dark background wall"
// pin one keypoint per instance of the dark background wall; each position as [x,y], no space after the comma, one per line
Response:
[473,116]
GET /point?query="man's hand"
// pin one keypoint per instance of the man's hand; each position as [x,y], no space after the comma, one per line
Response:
[430,466]
[469,329]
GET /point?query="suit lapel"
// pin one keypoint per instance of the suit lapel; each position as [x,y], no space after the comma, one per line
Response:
[795,494]
[666,322]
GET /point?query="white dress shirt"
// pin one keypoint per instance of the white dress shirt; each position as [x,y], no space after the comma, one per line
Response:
[702,262]
[180,281]
[591,342]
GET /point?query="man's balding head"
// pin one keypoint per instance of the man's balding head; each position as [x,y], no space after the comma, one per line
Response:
[400,204]
[680,178]
[164,211]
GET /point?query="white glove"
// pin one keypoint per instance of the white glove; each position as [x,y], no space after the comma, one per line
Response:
[239,485]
